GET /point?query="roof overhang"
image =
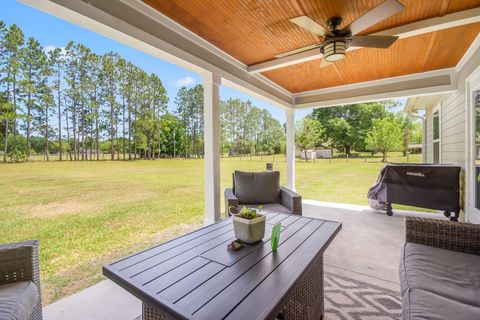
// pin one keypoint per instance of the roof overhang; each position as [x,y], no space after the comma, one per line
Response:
[440,81]
[138,25]
[423,102]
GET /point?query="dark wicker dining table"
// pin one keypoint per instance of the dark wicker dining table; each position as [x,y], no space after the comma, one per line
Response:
[196,276]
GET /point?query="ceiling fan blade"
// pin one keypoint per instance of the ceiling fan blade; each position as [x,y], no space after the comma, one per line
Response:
[381,12]
[298,50]
[311,26]
[373,41]
[324,63]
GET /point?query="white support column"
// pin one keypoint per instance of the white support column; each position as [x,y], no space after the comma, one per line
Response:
[211,114]
[290,115]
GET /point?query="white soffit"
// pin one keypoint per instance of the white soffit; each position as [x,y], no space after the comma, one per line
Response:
[423,102]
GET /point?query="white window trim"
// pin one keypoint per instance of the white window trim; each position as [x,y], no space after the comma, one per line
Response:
[439,140]
[472,83]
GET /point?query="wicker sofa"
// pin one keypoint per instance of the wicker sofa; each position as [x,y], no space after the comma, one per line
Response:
[20,281]
[252,189]
[440,270]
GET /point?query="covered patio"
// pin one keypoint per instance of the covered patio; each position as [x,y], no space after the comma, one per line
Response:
[253,47]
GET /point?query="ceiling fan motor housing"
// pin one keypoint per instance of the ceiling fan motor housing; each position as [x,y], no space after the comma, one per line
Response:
[333,23]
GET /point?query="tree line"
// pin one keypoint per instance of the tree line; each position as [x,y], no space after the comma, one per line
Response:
[368,126]
[79,104]
[248,130]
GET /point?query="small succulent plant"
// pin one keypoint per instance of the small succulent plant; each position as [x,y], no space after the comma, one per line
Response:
[247,213]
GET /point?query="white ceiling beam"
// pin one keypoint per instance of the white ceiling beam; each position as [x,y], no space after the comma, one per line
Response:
[409,30]
[438,81]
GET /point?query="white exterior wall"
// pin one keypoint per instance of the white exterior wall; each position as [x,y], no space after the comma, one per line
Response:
[429,136]
[452,133]
[453,128]
[455,131]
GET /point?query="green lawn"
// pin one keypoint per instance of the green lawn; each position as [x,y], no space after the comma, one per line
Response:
[87,214]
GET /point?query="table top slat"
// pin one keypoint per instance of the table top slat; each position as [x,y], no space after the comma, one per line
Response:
[197,235]
[148,253]
[192,281]
[176,274]
[195,299]
[162,266]
[277,218]
[288,221]
[223,303]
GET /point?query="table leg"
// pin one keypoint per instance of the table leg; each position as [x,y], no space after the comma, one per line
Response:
[306,302]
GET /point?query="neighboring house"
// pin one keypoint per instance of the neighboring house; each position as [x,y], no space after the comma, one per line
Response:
[451,127]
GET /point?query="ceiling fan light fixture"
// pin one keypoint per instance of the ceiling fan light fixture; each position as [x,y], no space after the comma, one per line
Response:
[334,51]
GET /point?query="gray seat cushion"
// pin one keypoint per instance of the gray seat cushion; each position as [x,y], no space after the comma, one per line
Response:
[423,305]
[275,207]
[17,300]
[450,274]
[257,187]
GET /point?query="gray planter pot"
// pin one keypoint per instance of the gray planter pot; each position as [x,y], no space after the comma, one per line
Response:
[249,230]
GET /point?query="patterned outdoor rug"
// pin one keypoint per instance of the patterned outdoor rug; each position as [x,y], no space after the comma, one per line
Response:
[347,298]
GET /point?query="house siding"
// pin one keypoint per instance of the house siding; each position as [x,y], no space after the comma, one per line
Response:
[453,126]
[429,136]
[453,129]
[452,134]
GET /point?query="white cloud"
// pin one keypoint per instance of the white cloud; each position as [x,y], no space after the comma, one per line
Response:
[185,82]
[52,47]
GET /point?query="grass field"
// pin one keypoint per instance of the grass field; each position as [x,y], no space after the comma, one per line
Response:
[88,213]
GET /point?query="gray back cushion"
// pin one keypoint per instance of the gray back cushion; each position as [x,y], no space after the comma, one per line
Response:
[257,187]
[17,300]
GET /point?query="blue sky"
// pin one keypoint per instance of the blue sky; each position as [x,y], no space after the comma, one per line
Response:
[51,31]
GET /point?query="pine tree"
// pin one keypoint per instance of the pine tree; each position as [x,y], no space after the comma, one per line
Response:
[57,64]
[110,73]
[33,67]
[159,101]
[12,43]
[95,99]
[72,93]
[5,111]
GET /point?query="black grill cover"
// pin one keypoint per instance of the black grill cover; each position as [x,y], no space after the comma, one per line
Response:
[419,185]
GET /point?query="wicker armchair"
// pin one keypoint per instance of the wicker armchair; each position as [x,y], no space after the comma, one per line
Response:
[19,262]
[439,270]
[455,236]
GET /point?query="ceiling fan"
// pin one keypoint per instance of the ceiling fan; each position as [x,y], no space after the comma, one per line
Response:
[336,41]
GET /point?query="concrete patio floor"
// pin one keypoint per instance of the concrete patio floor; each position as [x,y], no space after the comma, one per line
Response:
[368,246]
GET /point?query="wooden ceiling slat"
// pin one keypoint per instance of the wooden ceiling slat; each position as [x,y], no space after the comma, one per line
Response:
[428,52]
[406,56]
[255,31]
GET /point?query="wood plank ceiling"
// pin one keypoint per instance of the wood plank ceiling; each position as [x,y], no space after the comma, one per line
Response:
[254,31]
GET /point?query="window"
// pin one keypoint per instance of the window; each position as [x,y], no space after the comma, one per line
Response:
[476,110]
[436,136]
